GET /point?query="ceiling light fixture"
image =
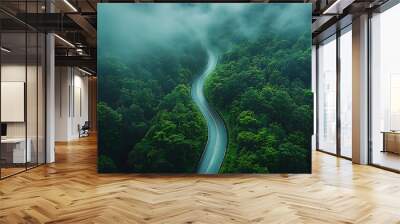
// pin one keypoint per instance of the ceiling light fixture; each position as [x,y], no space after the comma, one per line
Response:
[65,41]
[5,50]
[70,5]
[84,71]
[80,51]
[333,6]
[337,7]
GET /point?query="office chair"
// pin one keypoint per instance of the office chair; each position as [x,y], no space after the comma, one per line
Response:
[84,130]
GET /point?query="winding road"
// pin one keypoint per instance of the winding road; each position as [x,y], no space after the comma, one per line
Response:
[214,152]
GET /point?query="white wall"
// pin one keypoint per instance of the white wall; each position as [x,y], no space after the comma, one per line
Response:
[33,127]
[16,73]
[71,102]
[80,112]
[62,82]
[12,73]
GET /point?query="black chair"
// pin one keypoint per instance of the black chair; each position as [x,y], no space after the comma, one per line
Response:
[84,130]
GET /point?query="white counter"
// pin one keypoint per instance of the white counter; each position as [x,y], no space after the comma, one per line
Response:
[19,153]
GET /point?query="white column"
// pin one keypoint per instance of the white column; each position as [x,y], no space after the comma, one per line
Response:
[360,90]
[50,100]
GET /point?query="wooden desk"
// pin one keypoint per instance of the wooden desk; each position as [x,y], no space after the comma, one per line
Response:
[391,141]
[13,150]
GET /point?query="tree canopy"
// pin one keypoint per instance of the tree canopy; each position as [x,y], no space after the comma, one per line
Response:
[262,88]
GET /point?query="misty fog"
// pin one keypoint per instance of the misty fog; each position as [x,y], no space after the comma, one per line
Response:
[131,30]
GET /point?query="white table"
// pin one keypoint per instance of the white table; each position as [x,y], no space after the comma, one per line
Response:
[19,153]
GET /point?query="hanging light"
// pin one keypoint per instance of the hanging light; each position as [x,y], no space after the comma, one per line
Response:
[64,40]
[5,50]
[70,5]
[85,72]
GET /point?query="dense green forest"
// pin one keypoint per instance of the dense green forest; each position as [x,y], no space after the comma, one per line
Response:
[262,89]
[176,140]
[148,58]
[147,120]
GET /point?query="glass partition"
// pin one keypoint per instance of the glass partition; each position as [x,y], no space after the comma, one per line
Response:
[385,89]
[327,95]
[22,88]
[14,153]
[346,92]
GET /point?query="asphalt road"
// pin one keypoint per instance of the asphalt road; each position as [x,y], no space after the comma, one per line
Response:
[214,151]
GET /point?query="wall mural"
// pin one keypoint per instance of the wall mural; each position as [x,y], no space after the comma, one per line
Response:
[204,88]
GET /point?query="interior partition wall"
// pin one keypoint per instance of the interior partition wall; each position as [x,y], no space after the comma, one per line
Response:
[385,89]
[22,101]
[334,94]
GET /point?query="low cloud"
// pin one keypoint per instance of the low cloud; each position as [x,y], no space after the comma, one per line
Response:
[129,30]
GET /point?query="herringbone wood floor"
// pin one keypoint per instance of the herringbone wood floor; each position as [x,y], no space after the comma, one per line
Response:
[70,191]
